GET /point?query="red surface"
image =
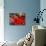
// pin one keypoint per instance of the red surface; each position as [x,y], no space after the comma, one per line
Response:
[17,20]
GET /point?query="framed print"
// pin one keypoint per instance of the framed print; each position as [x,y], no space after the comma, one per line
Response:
[17,18]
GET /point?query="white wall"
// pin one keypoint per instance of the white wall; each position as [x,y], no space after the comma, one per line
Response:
[1,21]
[43,6]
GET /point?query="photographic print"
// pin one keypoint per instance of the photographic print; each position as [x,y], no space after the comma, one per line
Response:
[17,18]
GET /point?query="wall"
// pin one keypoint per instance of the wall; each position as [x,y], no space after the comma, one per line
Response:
[14,33]
[43,6]
[1,21]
